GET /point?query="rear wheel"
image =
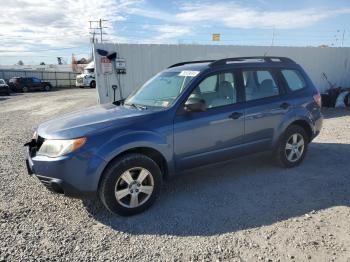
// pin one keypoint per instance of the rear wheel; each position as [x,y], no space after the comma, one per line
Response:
[47,88]
[25,89]
[292,147]
[130,184]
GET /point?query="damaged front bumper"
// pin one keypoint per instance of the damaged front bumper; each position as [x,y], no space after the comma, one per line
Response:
[71,175]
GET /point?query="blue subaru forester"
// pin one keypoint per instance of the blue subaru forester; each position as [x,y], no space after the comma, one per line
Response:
[189,115]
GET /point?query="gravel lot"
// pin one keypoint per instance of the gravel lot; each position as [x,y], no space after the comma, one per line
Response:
[245,210]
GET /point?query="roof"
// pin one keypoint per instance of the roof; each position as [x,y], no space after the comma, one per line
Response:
[200,65]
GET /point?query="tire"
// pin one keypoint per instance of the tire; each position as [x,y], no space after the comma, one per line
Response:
[93,84]
[25,89]
[122,176]
[287,155]
[47,88]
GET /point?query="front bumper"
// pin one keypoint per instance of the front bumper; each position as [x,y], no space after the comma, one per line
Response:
[71,175]
[81,82]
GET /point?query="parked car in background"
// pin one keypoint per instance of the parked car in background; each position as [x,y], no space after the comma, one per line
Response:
[87,78]
[189,115]
[4,88]
[26,84]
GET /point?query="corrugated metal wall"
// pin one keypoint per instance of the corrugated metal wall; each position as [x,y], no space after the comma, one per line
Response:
[145,60]
[57,79]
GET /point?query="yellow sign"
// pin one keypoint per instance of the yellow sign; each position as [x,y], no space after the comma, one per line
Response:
[216,37]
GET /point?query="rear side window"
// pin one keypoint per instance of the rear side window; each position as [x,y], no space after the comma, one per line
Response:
[294,80]
[259,84]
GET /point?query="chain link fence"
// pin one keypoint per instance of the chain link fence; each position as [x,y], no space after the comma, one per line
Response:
[56,78]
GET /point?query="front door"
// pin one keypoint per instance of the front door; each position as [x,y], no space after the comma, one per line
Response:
[204,137]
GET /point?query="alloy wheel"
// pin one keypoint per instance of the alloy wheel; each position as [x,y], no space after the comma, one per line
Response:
[134,187]
[294,147]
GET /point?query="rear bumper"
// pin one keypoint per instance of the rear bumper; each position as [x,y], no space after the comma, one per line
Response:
[74,176]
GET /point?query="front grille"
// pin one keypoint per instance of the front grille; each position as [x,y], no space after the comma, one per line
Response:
[34,145]
[39,142]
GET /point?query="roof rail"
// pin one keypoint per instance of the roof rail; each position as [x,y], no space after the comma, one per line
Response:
[191,62]
[267,59]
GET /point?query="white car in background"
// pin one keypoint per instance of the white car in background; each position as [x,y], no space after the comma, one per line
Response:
[87,78]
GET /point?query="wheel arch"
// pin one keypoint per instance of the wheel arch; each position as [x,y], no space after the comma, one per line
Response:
[150,152]
[303,122]
[305,125]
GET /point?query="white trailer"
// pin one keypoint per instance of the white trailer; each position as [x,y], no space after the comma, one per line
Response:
[142,61]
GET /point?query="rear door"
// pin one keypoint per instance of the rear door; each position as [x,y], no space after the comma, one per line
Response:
[265,106]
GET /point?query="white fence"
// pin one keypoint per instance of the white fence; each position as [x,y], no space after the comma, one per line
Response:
[145,60]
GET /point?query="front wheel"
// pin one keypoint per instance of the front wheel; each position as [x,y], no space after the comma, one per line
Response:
[292,147]
[130,184]
[47,88]
[93,84]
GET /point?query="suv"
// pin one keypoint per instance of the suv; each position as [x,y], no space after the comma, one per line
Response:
[4,88]
[25,84]
[189,115]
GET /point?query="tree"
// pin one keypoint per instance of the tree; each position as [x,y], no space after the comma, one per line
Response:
[20,62]
[42,63]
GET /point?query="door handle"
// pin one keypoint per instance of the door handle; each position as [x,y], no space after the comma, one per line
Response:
[236,115]
[285,105]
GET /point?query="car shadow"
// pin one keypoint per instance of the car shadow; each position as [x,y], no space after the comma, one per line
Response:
[335,112]
[241,194]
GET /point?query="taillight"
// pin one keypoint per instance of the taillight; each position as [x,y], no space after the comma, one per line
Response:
[318,99]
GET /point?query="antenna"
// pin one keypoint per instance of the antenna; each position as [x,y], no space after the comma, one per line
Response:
[272,41]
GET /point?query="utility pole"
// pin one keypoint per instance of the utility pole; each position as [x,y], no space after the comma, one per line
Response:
[97,25]
[342,39]
[273,37]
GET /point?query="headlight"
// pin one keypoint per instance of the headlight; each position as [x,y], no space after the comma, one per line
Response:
[55,148]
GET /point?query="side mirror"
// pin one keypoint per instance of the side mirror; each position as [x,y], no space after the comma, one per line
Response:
[195,105]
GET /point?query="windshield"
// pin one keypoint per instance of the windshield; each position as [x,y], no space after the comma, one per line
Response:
[161,90]
[89,70]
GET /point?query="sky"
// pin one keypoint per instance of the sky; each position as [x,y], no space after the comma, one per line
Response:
[39,31]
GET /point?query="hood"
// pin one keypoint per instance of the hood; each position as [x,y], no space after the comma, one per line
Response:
[81,123]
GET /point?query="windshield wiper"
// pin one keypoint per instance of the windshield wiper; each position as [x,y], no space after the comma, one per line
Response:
[137,106]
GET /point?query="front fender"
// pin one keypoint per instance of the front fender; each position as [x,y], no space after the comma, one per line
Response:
[134,139]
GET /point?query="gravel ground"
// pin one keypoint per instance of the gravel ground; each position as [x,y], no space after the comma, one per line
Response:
[245,210]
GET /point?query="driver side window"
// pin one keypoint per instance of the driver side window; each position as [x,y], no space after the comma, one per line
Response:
[217,90]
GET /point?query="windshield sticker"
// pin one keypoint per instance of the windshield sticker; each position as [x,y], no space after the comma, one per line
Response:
[189,73]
